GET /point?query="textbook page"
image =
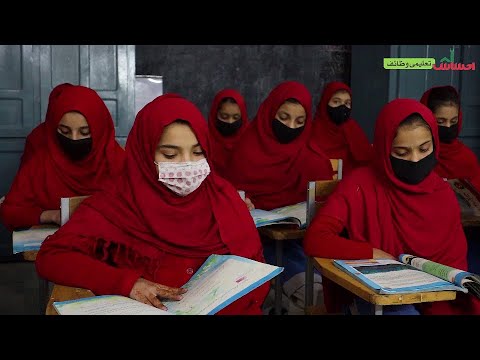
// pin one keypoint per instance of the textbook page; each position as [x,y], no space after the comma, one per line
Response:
[31,239]
[390,276]
[264,218]
[298,211]
[456,276]
[106,305]
[219,282]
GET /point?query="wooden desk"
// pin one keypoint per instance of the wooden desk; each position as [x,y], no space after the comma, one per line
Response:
[64,293]
[470,221]
[30,255]
[330,271]
[281,232]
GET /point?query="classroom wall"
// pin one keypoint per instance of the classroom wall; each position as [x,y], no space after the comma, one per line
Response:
[198,72]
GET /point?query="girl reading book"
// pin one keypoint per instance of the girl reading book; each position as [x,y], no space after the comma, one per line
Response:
[78,156]
[273,164]
[334,130]
[227,121]
[150,231]
[392,207]
[456,160]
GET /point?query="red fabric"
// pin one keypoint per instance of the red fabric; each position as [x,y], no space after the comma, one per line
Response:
[393,216]
[138,224]
[223,146]
[347,141]
[274,174]
[49,174]
[456,160]
[37,138]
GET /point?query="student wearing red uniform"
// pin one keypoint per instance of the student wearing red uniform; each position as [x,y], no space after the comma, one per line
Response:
[227,121]
[147,234]
[273,163]
[392,207]
[37,138]
[79,155]
[455,160]
[336,133]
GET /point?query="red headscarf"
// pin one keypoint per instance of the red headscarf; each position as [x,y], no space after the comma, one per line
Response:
[456,160]
[49,174]
[347,141]
[37,138]
[223,146]
[142,214]
[274,174]
[396,217]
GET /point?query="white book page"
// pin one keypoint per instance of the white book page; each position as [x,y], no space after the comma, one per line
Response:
[107,305]
[214,287]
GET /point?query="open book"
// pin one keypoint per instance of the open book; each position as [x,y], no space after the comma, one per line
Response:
[292,214]
[467,196]
[221,280]
[31,239]
[409,275]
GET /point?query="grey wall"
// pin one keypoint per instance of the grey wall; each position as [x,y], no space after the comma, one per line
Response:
[198,72]
[369,82]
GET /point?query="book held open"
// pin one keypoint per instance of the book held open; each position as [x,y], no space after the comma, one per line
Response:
[221,280]
[292,214]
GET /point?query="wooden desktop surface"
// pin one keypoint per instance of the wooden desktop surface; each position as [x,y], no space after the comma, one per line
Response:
[64,293]
[329,270]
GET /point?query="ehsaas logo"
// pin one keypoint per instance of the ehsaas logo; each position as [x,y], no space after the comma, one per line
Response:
[446,63]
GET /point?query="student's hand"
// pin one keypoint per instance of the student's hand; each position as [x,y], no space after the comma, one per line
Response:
[149,293]
[380,254]
[249,203]
[50,216]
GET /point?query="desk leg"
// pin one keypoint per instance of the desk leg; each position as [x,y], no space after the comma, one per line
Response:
[378,309]
[42,295]
[278,283]
[309,283]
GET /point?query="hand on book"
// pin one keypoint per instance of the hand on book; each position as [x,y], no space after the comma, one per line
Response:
[249,203]
[50,216]
[150,293]
[380,254]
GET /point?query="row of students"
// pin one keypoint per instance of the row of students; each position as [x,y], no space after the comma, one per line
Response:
[272,160]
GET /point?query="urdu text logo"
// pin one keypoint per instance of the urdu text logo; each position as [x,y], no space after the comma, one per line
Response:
[426,63]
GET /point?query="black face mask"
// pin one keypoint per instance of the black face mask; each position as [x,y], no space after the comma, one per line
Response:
[413,172]
[447,134]
[283,133]
[339,114]
[228,129]
[75,149]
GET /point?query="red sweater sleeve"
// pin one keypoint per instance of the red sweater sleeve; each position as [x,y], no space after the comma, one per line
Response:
[19,209]
[322,240]
[59,263]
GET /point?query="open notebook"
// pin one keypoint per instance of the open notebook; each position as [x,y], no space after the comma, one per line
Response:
[292,214]
[30,239]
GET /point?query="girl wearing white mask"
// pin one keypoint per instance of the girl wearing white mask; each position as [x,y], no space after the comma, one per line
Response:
[158,222]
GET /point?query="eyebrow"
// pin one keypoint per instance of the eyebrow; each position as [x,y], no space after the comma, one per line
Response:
[408,147]
[444,118]
[175,147]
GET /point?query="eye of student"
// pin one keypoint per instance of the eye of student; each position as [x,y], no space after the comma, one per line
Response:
[300,121]
[236,117]
[224,116]
[198,152]
[425,148]
[283,116]
[401,153]
[440,121]
[169,155]
[454,121]
[85,132]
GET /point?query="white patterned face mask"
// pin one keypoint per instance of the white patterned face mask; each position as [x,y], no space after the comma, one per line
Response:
[183,178]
